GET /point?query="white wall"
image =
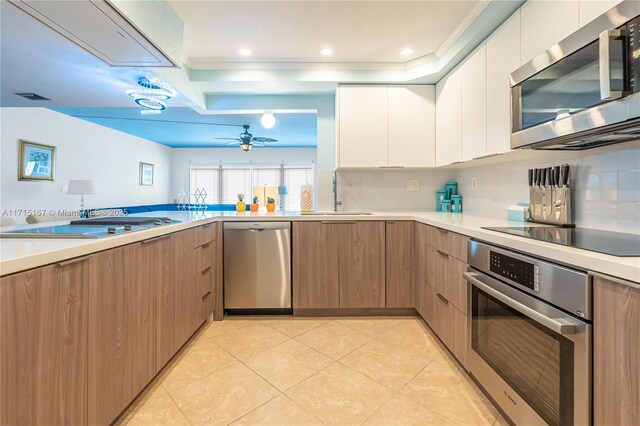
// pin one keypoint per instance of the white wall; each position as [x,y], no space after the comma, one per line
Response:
[605,184]
[386,190]
[182,157]
[84,150]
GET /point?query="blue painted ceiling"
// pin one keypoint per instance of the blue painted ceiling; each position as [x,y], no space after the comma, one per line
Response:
[183,127]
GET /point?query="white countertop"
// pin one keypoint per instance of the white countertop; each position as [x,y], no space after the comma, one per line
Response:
[19,254]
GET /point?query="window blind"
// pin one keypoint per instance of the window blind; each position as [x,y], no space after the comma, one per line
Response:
[235,180]
[223,182]
[207,178]
[294,177]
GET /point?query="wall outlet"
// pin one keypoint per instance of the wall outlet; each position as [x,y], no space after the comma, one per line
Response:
[413,185]
[64,188]
[474,183]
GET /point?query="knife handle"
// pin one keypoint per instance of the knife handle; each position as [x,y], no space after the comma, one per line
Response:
[530,177]
[550,180]
[564,174]
[543,178]
[556,175]
[537,177]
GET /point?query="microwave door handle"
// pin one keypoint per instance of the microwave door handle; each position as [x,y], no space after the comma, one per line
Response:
[605,65]
[560,326]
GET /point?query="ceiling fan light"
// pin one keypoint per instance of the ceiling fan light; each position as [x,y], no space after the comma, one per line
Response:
[268,120]
[246,147]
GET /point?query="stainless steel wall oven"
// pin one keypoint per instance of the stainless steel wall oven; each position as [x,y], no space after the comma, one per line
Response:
[530,336]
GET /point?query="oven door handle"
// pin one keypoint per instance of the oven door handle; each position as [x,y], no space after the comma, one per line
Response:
[559,325]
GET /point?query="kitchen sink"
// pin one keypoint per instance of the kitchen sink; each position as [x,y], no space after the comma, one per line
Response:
[336,213]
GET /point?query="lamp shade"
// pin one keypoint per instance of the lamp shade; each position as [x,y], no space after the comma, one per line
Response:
[81,187]
[282,190]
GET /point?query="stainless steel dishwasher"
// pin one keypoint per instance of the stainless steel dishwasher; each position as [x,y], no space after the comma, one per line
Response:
[257,267]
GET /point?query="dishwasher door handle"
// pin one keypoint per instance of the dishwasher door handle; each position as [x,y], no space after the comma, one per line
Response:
[256,229]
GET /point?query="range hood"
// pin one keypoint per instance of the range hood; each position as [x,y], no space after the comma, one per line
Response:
[97,27]
[583,92]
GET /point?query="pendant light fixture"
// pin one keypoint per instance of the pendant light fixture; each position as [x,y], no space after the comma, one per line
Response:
[268,120]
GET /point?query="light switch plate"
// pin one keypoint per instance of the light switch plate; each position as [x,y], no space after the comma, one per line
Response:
[413,185]
[64,188]
[474,183]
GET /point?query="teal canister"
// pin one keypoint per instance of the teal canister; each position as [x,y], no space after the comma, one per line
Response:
[456,203]
[441,195]
[451,188]
[445,206]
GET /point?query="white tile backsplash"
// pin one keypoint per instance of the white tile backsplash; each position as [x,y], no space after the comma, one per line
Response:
[605,184]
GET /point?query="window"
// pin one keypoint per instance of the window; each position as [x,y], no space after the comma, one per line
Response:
[225,181]
[207,178]
[294,177]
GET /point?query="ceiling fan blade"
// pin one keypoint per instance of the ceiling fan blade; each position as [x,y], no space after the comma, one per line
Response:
[234,143]
[255,143]
[268,140]
[227,139]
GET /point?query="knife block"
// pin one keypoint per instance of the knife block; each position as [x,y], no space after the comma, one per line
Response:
[551,205]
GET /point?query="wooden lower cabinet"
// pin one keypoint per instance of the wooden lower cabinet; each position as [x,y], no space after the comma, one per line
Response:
[316,277]
[162,253]
[616,362]
[419,269]
[82,338]
[442,303]
[338,264]
[399,264]
[361,247]
[122,329]
[43,327]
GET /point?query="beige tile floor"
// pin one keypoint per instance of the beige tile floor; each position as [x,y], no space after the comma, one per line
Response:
[299,371]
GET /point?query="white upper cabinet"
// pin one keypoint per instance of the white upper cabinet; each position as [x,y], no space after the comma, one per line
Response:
[386,126]
[591,9]
[362,126]
[503,57]
[545,23]
[449,119]
[473,83]
[412,132]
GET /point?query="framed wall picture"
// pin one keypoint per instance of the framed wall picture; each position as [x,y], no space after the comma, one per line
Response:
[146,174]
[37,161]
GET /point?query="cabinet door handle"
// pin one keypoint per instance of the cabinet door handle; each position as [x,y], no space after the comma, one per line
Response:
[72,261]
[161,237]
[391,221]
[444,299]
[442,253]
[206,294]
[444,231]
[205,245]
[206,269]
[206,226]
[339,222]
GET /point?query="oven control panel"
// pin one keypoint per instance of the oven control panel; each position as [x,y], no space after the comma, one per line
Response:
[516,270]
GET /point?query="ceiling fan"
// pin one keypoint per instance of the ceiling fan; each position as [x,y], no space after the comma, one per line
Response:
[246,140]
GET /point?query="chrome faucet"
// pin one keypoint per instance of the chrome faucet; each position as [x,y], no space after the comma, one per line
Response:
[334,188]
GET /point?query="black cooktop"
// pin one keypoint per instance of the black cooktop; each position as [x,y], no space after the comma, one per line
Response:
[613,243]
[121,221]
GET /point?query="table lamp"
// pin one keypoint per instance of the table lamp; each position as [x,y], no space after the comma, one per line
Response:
[81,187]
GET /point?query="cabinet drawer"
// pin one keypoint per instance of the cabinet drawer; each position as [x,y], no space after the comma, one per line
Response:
[448,242]
[460,337]
[457,287]
[206,256]
[204,234]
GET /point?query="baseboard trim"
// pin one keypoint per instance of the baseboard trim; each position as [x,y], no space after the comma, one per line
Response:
[348,312]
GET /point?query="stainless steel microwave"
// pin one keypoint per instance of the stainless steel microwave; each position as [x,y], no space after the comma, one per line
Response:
[584,91]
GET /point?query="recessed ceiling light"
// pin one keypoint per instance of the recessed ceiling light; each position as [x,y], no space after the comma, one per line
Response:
[326,52]
[406,51]
[244,52]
